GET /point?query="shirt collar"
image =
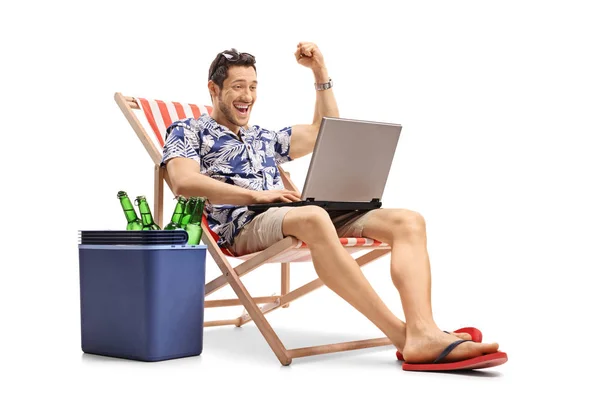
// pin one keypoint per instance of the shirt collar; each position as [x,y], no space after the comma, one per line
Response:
[224,129]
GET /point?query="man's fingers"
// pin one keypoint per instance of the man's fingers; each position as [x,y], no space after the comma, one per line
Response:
[305,49]
[286,196]
[292,196]
[282,198]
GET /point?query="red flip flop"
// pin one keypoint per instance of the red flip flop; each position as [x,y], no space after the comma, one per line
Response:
[475,333]
[485,361]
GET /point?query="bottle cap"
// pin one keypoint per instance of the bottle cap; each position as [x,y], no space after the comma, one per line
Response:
[139,199]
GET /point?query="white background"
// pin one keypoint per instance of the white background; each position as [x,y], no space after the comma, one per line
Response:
[499,104]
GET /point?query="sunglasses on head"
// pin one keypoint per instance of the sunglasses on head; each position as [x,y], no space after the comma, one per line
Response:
[230,56]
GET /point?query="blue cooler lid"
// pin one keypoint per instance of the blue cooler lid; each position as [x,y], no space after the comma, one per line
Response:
[122,237]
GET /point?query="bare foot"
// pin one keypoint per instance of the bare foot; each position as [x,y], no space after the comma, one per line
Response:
[461,335]
[425,347]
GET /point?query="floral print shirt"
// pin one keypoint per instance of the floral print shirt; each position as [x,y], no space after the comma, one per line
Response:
[249,161]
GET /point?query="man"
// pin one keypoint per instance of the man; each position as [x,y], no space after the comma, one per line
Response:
[234,164]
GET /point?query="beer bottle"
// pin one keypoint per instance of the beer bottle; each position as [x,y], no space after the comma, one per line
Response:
[194,227]
[189,210]
[147,220]
[177,215]
[133,221]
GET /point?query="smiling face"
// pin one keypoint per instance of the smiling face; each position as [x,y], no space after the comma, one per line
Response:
[233,103]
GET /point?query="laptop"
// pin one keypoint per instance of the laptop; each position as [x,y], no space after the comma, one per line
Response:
[349,168]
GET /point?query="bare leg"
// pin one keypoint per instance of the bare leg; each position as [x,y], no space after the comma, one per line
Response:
[338,270]
[410,271]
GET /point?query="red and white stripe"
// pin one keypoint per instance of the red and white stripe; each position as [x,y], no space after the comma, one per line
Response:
[301,253]
[161,114]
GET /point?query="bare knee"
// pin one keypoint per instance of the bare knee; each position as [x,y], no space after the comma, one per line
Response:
[407,224]
[308,223]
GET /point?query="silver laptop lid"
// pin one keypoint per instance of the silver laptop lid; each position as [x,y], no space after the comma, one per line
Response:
[351,160]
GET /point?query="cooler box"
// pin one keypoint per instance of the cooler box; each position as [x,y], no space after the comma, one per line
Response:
[142,294]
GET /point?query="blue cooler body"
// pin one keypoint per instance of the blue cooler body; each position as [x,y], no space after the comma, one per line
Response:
[142,294]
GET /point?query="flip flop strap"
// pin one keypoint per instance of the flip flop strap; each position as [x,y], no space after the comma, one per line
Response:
[448,349]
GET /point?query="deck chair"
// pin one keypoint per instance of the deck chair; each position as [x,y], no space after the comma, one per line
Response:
[159,115]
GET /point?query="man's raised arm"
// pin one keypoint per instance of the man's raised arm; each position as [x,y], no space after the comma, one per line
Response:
[304,136]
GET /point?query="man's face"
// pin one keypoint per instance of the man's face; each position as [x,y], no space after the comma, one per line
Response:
[238,95]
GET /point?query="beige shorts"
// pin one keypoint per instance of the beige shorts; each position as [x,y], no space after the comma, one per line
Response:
[266,229]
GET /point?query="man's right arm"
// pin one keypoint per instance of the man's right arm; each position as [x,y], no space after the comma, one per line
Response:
[186,180]
[181,157]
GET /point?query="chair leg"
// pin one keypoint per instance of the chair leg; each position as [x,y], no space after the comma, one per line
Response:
[311,286]
[285,281]
[255,313]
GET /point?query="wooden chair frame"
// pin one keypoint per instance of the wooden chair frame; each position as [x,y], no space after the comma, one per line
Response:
[232,276]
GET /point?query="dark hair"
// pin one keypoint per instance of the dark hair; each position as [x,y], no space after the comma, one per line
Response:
[219,68]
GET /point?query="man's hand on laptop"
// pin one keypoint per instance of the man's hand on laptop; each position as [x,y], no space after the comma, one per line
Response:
[276,196]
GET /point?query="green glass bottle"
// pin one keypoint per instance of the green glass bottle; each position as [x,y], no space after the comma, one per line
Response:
[189,210]
[194,227]
[177,215]
[134,223]
[147,220]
